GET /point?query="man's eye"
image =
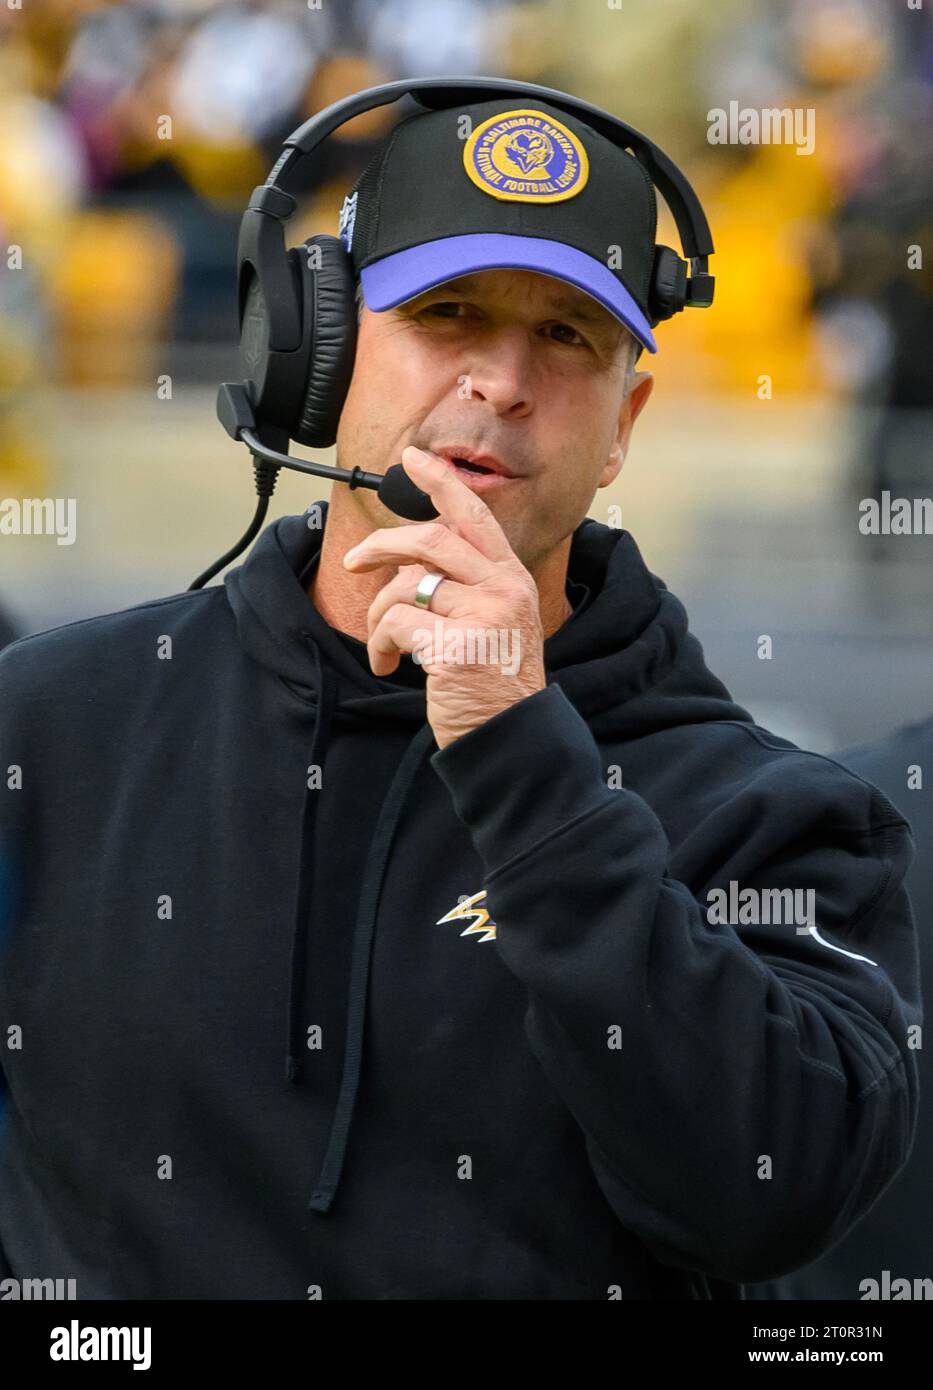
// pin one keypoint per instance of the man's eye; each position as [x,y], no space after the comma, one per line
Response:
[565,329]
[445,308]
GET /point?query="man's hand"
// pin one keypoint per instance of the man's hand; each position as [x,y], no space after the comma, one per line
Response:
[481,642]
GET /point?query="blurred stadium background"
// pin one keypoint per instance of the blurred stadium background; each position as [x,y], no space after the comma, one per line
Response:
[747,507]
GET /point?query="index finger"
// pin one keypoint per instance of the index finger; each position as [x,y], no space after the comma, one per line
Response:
[456,503]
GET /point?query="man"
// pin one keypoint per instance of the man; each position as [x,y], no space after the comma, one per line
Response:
[338,973]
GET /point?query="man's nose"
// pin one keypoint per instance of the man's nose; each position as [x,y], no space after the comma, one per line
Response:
[500,371]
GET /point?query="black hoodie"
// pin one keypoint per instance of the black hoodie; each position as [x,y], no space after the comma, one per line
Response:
[453,1023]
[895,1239]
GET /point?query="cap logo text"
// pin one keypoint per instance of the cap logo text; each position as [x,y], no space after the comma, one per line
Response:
[524,156]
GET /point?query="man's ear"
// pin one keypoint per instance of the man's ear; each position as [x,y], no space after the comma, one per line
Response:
[635,401]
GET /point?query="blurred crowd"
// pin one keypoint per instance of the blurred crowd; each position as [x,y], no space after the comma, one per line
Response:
[134,130]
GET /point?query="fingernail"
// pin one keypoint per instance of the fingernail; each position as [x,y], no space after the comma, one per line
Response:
[418,457]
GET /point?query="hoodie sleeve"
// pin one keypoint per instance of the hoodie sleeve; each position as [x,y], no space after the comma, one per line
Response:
[745,1092]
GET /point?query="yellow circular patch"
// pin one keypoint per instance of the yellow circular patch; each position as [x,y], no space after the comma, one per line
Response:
[525,156]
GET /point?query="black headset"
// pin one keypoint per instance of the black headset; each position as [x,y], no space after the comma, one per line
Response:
[297,307]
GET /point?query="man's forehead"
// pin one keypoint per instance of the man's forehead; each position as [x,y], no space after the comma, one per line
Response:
[558,294]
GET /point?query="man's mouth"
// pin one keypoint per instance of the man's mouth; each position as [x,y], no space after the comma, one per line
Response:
[469,463]
[470,467]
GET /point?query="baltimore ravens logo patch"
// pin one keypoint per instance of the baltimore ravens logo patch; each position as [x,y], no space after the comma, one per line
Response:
[524,156]
[474,914]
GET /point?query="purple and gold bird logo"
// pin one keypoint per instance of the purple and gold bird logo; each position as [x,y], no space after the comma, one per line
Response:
[529,149]
[524,156]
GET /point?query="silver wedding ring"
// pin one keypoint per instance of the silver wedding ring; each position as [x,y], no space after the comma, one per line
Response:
[425,590]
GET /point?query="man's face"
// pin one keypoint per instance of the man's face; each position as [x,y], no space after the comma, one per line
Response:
[509,363]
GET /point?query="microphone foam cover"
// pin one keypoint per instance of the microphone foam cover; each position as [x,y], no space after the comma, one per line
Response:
[401,496]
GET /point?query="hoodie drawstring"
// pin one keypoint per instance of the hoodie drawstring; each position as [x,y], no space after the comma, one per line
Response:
[327,695]
[361,950]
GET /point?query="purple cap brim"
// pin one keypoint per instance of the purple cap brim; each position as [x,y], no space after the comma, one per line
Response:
[405,274]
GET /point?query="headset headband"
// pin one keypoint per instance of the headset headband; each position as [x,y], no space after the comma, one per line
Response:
[434,93]
[261,239]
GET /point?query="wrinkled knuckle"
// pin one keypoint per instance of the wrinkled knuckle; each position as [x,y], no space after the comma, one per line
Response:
[435,534]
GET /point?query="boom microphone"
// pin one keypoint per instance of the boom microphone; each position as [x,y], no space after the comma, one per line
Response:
[395,489]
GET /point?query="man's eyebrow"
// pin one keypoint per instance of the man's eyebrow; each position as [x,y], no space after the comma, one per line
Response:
[557,304]
[573,308]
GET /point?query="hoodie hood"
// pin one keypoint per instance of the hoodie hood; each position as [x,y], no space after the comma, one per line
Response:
[625,659]
[610,659]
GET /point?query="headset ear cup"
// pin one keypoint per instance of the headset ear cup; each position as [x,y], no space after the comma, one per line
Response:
[328,291]
[668,283]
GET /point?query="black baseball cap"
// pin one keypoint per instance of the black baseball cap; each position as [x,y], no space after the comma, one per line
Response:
[510,183]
